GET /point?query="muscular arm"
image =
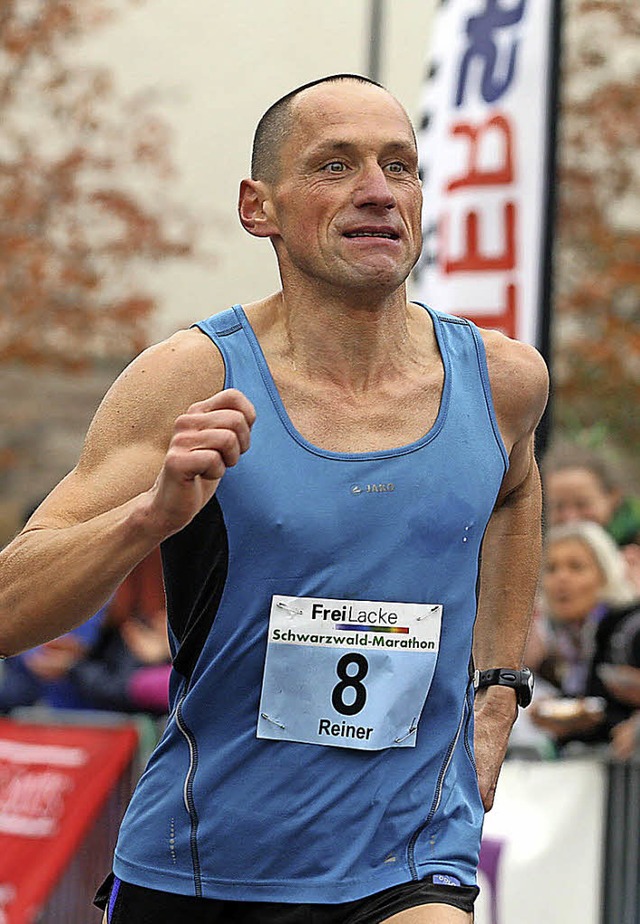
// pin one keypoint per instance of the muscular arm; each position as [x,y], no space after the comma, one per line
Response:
[511,549]
[154,454]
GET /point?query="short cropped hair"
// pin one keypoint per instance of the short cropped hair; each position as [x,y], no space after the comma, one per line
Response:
[276,123]
[617,589]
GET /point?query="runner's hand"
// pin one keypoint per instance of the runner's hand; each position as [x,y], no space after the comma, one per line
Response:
[494,714]
[207,440]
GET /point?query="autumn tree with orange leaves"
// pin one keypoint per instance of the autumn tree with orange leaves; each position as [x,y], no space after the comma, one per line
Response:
[597,305]
[82,201]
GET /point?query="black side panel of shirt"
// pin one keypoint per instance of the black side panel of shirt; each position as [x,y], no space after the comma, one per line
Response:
[195,564]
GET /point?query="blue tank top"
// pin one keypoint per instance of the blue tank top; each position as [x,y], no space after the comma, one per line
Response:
[222,812]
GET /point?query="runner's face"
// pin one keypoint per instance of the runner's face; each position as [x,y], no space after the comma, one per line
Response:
[348,198]
[572,580]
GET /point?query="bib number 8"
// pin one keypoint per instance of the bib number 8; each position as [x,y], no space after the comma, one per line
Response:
[350,682]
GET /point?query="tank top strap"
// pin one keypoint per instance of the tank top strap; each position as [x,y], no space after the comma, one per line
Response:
[221,324]
[227,330]
[462,350]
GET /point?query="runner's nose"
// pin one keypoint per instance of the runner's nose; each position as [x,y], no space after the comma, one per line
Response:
[373,189]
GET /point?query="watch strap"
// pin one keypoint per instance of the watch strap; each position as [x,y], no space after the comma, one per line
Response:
[519,680]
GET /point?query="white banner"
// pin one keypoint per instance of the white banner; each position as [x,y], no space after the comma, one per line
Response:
[542,845]
[483,146]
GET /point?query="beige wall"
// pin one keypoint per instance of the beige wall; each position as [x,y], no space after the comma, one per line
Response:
[217,65]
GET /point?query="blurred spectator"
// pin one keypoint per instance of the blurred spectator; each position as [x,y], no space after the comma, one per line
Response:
[582,484]
[623,682]
[128,668]
[590,618]
[43,675]
[625,738]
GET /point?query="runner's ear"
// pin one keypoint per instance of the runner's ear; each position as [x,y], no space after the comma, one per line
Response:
[255,209]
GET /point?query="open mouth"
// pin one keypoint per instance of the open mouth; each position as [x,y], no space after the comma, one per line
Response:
[384,234]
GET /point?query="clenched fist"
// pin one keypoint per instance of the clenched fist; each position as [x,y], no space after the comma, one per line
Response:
[207,439]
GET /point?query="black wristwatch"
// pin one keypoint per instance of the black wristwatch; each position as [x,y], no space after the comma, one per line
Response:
[521,681]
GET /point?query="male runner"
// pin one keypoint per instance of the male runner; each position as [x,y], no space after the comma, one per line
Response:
[323,469]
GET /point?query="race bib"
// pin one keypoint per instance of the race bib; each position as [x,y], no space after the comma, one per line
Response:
[347,673]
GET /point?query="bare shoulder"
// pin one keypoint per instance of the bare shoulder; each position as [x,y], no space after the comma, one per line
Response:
[131,430]
[158,386]
[519,384]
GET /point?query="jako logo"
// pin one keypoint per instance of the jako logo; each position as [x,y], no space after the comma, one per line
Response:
[373,488]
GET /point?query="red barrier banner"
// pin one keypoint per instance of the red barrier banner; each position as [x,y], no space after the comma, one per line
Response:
[54,781]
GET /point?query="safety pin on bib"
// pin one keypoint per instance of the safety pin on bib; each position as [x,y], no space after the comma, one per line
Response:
[411,731]
[291,610]
[263,715]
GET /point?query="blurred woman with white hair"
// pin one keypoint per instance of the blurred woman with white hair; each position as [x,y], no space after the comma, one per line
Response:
[589,624]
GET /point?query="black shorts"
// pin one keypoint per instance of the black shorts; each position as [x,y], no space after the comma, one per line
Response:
[131,904]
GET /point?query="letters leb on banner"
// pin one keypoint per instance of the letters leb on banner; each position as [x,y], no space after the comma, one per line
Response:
[483,145]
